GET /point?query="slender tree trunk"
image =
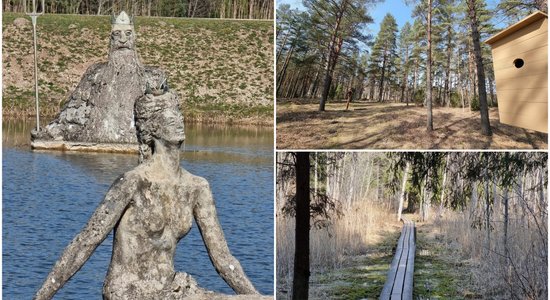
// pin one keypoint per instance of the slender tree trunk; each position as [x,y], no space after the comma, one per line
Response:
[405,75]
[251,9]
[333,52]
[316,166]
[313,86]
[505,236]
[442,198]
[402,195]
[483,109]
[329,73]
[491,90]
[282,47]
[381,91]
[300,284]
[371,91]
[448,67]
[414,80]
[430,126]
[281,76]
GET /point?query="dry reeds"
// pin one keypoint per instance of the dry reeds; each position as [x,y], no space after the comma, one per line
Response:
[360,225]
[507,263]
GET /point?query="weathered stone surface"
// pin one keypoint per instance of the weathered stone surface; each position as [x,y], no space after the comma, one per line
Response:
[84,147]
[150,208]
[100,109]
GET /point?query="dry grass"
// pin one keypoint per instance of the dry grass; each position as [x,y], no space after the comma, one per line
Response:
[361,228]
[223,70]
[523,276]
[393,126]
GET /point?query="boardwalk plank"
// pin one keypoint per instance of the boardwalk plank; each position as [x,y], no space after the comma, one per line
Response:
[399,282]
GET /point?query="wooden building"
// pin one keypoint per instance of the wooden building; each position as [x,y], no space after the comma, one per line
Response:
[520,61]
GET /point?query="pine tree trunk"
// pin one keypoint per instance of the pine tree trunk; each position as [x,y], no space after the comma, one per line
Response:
[281,76]
[483,109]
[405,75]
[300,283]
[333,52]
[430,126]
[448,68]
[414,81]
[381,91]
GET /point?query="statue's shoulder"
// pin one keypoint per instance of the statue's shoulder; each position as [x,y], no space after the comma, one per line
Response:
[96,67]
[127,180]
[154,71]
[91,74]
[193,181]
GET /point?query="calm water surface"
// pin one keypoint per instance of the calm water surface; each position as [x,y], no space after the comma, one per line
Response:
[49,196]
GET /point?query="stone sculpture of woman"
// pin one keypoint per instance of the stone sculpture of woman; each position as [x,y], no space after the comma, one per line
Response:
[150,209]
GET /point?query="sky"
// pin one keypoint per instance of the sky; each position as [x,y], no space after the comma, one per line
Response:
[401,12]
[398,9]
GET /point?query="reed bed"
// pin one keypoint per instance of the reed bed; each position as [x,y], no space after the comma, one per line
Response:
[362,224]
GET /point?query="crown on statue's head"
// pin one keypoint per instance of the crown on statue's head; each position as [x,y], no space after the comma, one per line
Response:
[122,19]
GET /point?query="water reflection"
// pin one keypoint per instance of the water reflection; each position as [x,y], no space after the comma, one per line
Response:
[16,133]
[216,143]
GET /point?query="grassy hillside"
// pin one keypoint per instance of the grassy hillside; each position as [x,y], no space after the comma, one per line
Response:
[222,69]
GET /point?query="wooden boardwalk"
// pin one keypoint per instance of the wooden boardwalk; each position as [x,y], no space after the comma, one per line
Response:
[399,284]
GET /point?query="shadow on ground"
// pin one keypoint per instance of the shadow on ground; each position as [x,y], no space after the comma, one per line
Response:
[393,126]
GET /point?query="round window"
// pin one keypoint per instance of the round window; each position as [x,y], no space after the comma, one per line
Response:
[518,62]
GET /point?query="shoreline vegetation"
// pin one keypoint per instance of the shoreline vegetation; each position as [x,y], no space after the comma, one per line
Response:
[222,69]
[258,116]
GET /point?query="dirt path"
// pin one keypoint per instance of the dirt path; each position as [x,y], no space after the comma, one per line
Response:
[394,126]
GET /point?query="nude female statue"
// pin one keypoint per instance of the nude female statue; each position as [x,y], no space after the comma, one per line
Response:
[150,209]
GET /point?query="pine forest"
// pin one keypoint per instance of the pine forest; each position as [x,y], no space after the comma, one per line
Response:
[428,83]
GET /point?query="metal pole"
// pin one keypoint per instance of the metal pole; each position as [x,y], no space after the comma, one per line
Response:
[35,72]
[34,15]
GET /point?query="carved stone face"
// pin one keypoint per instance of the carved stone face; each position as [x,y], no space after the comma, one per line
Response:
[173,129]
[122,37]
[159,117]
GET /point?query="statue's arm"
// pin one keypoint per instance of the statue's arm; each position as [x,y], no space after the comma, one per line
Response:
[83,245]
[226,265]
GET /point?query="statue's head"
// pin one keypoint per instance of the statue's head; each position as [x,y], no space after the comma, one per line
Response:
[122,33]
[159,117]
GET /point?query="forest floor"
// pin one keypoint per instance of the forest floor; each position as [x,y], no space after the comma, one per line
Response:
[222,69]
[393,126]
[440,271]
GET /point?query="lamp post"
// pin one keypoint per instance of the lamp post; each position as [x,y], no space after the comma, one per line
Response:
[34,15]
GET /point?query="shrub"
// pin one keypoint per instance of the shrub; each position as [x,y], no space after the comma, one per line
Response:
[419,97]
[474,103]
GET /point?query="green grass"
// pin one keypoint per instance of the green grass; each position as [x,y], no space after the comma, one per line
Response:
[367,275]
[436,276]
[207,60]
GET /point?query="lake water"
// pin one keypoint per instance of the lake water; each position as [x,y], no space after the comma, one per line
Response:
[49,196]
